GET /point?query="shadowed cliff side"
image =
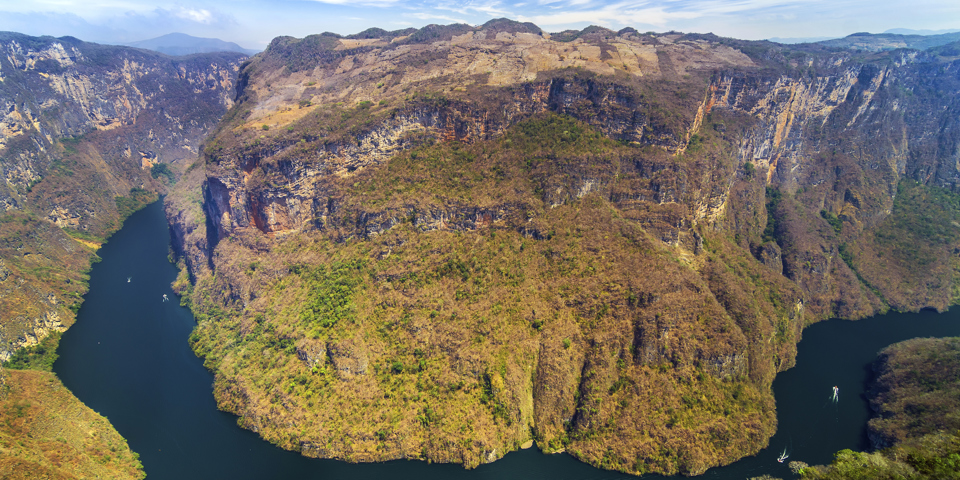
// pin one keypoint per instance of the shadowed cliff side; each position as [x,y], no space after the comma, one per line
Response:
[88,133]
[442,244]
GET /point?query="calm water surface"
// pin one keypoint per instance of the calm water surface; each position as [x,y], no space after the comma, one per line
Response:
[127,357]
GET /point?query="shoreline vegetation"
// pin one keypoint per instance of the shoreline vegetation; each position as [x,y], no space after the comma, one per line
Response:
[915,429]
[46,432]
[610,254]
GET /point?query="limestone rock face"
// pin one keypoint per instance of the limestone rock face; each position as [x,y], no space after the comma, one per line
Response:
[611,240]
[312,353]
[770,255]
[80,125]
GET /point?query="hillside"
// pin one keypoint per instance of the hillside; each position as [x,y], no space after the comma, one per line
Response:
[45,432]
[88,134]
[178,44]
[444,243]
[875,42]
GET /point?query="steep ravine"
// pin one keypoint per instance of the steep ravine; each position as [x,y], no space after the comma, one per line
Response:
[88,134]
[81,128]
[610,254]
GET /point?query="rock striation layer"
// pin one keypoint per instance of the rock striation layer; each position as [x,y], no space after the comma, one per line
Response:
[443,243]
[81,128]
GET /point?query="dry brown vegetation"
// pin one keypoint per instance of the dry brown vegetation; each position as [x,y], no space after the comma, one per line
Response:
[46,433]
[392,255]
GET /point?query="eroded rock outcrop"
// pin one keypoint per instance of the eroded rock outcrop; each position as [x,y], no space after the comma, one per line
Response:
[615,258]
[81,125]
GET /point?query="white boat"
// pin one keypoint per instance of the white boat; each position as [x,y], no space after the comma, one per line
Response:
[783,456]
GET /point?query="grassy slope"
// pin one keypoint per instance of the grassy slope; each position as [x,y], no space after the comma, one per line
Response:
[479,340]
[45,432]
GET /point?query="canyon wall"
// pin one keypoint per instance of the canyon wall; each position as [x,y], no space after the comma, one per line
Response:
[444,243]
[81,128]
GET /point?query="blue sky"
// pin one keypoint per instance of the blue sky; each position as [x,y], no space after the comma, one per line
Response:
[253,23]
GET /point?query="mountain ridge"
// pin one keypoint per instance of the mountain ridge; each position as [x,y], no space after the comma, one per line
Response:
[581,165]
[179,44]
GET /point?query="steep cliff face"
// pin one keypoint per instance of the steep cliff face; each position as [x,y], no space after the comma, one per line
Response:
[841,142]
[462,238]
[81,126]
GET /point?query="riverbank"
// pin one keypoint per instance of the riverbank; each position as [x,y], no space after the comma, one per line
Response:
[129,358]
[46,432]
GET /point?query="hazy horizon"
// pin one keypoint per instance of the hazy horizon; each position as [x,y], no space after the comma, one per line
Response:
[253,23]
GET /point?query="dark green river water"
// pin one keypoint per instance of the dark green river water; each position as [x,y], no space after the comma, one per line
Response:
[127,358]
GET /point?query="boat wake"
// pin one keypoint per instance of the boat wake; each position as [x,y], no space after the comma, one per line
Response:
[783,456]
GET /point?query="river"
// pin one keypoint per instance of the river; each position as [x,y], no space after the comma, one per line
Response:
[127,357]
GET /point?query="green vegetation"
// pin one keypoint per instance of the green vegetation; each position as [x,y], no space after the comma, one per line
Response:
[917,390]
[330,290]
[771,232]
[924,219]
[137,199]
[82,235]
[832,219]
[917,399]
[932,457]
[38,357]
[161,169]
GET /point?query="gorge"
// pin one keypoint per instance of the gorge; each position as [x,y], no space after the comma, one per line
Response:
[128,358]
[446,243]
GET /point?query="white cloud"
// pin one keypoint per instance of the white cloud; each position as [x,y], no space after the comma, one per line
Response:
[365,3]
[610,15]
[198,15]
[491,8]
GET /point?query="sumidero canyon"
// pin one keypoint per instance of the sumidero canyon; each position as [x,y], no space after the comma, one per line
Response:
[489,248]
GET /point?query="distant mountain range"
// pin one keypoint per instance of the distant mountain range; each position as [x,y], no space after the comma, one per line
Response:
[891,39]
[907,31]
[182,44]
[793,40]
